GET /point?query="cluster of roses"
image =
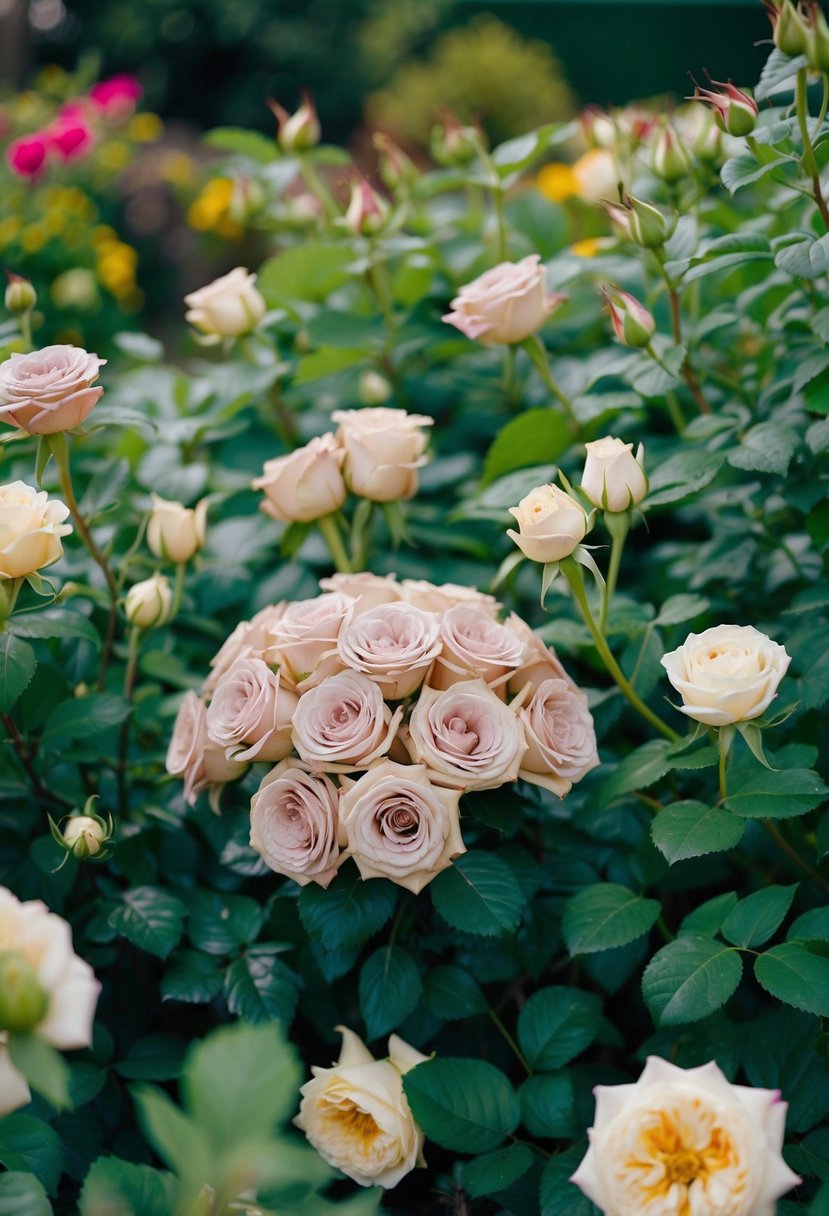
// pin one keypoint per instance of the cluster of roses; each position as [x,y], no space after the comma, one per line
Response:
[381,702]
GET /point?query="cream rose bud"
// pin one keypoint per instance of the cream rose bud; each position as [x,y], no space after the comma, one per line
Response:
[682,1141]
[560,735]
[466,736]
[194,758]
[475,645]
[400,826]
[356,1115]
[597,175]
[49,390]
[149,602]
[31,527]
[550,524]
[367,590]
[441,597]
[613,477]
[251,713]
[505,304]
[394,645]
[343,723]
[176,532]
[227,307]
[294,823]
[305,485]
[384,449]
[726,674]
[306,634]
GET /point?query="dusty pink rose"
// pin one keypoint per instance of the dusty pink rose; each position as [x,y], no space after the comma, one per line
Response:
[506,304]
[249,640]
[306,634]
[27,156]
[367,590]
[117,96]
[540,662]
[560,735]
[466,736]
[49,390]
[474,644]
[400,826]
[305,485]
[251,712]
[384,449]
[193,757]
[441,597]
[344,723]
[294,823]
[395,645]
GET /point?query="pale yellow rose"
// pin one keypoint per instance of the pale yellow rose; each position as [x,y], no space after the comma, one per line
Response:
[149,602]
[176,532]
[306,484]
[550,524]
[384,449]
[31,527]
[613,477]
[227,307]
[726,674]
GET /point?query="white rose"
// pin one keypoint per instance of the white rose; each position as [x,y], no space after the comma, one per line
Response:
[176,532]
[31,527]
[249,640]
[395,645]
[191,755]
[227,307]
[550,524]
[540,662]
[251,712]
[356,1115]
[440,598]
[467,736]
[306,484]
[613,477]
[682,1141]
[367,590]
[343,723]
[505,304]
[401,826]
[561,737]
[726,674]
[596,175]
[294,823]
[384,449]
[306,634]
[149,602]
[475,645]
[49,390]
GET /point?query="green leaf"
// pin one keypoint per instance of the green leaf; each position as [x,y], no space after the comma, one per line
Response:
[639,770]
[766,448]
[242,141]
[174,1135]
[450,992]
[756,917]
[810,926]
[680,608]
[557,1024]
[548,1107]
[493,1172]
[390,987]
[479,894]
[708,917]
[349,912]
[30,1145]
[795,973]
[17,666]
[690,978]
[150,918]
[559,1196]
[743,170]
[43,1067]
[537,436]
[520,152]
[259,986]
[54,625]
[605,915]
[467,1106]
[23,1195]
[119,1188]
[309,271]
[81,717]
[222,924]
[692,829]
[683,475]
[326,362]
[782,1053]
[139,346]
[760,793]
[155,1057]
[193,977]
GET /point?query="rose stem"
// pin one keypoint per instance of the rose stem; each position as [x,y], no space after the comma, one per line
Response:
[538,354]
[327,525]
[784,846]
[691,378]
[617,525]
[124,737]
[516,1050]
[809,161]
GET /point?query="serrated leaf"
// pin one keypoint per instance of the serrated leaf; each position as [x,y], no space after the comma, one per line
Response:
[194,978]
[479,894]
[559,1196]
[679,608]
[259,987]
[795,973]
[450,992]
[639,770]
[708,917]
[468,1106]
[151,918]
[81,717]
[557,1024]
[54,625]
[390,987]
[692,829]
[548,1105]
[683,475]
[605,915]
[760,793]
[756,917]
[118,1188]
[810,926]
[536,436]
[349,912]
[30,1145]
[493,1172]
[174,1135]
[766,448]
[690,978]
[17,666]
[222,924]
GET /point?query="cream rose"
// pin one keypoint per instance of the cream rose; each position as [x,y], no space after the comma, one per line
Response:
[726,674]
[294,823]
[176,532]
[440,598]
[305,485]
[306,634]
[550,524]
[149,602]
[54,992]
[395,645]
[475,645]
[401,826]
[466,736]
[384,449]
[191,755]
[251,713]
[613,477]
[505,304]
[596,175]
[49,390]
[31,527]
[367,590]
[356,1115]
[540,662]
[683,1141]
[344,723]
[227,307]
[560,735]
[249,640]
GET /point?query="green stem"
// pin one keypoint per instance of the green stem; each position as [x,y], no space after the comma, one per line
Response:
[618,525]
[500,221]
[331,535]
[809,160]
[675,411]
[178,590]
[538,354]
[25,323]
[793,856]
[379,284]
[510,380]
[315,184]
[124,737]
[688,372]
[516,1050]
[724,749]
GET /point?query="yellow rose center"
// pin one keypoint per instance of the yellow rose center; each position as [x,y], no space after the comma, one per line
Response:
[686,1157]
[354,1122]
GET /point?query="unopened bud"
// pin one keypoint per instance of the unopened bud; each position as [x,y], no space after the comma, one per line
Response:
[83,835]
[633,325]
[374,388]
[734,110]
[367,212]
[598,127]
[246,201]
[300,131]
[641,222]
[148,603]
[23,1002]
[454,144]
[396,168]
[789,30]
[21,297]
[817,49]
[176,532]
[669,158]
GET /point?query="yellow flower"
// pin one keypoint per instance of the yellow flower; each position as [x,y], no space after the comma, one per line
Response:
[557,182]
[34,238]
[145,128]
[176,168]
[115,155]
[590,246]
[9,230]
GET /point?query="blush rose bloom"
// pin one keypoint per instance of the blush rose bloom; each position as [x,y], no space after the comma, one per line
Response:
[550,524]
[49,390]
[682,1141]
[613,477]
[251,713]
[193,757]
[367,590]
[441,597]
[506,304]
[399,825]
[305,485]
[466,736]
[228,307]
[560,735]
[356,1115]
[304,638]
[394,645]
[42,943]
[176,532]
[249,640]
[343,723]
[475,645]
[31,528]
[294,823]
[540,662]
[726,674]
[384,449]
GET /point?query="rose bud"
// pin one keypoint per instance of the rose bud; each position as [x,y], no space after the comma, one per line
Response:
[49,390]
[505,304]
[228,307]
[367,212]
[84,835]
[633,325]
[374,388]
[300,131]
[701,133]
[641,222]
[247,200]
[726,674]
[117,96]
[789,30]
[31,528]
[598,127]
[734,111]
[613,477]
[550,524]
[384,449]
[176,532]
[148,603]
[27,156]
[454,144]
[306,484]
[396,168]
[817,50]
[669,156]
[596,175]
[21,297]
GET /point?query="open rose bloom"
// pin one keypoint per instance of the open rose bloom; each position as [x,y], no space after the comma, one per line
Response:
[50,390]
[506,304]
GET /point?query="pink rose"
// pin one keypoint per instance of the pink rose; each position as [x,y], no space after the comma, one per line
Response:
[49,390]
[192,756]
[117,96]
[506,304]
[27,155]
[434,598]
[560,735]
[344,723]
[249,640]
[475,645]
[71,137]
[305,485]
[307,633]
[466,736]
[251,712]
[367,590]
[395,645]
[384,449]
[294,823]
[540,662]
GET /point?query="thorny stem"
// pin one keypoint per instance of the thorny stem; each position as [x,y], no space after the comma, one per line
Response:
[809,160]
[25,758]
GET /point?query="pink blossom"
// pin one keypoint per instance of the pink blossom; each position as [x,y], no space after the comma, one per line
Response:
[71,137]
[117,96]
[27,155]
